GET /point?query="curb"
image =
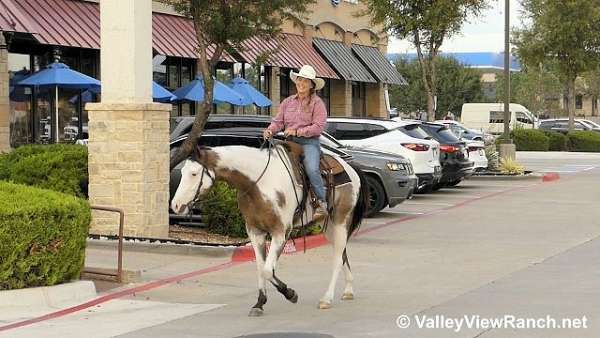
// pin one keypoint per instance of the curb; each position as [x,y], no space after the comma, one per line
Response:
[163,248]
[530,177]
[246,253]
[48,296]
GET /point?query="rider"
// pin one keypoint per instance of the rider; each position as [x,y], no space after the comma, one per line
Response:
[303,117]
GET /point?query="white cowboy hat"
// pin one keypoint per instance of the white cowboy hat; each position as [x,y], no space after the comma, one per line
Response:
[308,72]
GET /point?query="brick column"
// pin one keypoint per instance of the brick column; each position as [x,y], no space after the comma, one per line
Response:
[129,166]
[274,90]
[341,98]
[4,98]
[376,100]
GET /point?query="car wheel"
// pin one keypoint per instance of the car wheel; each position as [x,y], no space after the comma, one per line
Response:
[453,183]
[377,199]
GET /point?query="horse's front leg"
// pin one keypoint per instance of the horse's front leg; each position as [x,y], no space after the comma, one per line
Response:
[258,239]
[277,244]
[337,235]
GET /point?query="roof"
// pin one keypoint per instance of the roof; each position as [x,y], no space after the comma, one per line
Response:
[76,23]
[343,61]
[308,55]
[255,47]
[485,60]
[12,20]
[379,66]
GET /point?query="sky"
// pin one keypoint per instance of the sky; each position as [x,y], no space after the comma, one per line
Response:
[483,34]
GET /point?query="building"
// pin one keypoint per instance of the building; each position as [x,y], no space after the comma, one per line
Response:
[344,49]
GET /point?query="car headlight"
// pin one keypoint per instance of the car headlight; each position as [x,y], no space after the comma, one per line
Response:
[394,166]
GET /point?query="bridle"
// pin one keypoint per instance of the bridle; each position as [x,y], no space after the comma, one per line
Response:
[206,172]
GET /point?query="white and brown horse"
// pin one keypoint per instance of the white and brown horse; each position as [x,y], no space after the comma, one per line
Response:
[267,199]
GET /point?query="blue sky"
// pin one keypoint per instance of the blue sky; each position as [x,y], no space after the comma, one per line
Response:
[483,34]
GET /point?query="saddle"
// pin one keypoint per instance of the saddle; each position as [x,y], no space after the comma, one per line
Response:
[332,172]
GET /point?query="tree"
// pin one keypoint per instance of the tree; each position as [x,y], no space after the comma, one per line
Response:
[564,33]
[538,89]
[222,25]
[426,24]
[456,84]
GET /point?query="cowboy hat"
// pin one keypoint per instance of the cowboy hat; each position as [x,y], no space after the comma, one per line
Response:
[308,72]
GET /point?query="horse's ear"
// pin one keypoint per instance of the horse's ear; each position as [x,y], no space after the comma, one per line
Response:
[201,155]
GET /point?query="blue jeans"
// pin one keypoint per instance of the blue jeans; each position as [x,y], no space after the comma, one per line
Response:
[312,155]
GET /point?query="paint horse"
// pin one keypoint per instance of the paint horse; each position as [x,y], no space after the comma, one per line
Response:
[268,197]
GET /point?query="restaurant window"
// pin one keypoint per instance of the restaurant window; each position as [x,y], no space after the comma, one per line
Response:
[179,72]
[579,102]
[20,119]
[286,85]
[258,77]
[224,74]
[358,99]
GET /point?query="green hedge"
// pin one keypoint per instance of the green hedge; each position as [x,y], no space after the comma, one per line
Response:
[42,236]
[220,211]
[558,141]
[58,167]
[588,141]
[530,140]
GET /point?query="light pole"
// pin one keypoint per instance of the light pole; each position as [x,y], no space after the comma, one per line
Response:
[507,148]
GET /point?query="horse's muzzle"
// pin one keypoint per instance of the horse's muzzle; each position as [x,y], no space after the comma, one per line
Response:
[179,208]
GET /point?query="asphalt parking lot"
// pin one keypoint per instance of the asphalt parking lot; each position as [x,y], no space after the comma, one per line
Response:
[485,249]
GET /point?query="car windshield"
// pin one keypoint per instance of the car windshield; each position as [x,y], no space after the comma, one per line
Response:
[442,134]
[592,123]
[415,130]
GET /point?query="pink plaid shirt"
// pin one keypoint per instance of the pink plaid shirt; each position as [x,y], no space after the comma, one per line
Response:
[291,115]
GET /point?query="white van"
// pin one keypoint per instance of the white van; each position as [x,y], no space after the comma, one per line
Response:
[489,117]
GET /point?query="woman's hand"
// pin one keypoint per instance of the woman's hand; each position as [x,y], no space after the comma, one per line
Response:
[290,132]
[267,134]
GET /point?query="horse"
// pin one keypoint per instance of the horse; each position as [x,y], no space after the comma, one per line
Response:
[268,198]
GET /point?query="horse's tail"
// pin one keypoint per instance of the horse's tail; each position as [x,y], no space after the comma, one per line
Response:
[362,203]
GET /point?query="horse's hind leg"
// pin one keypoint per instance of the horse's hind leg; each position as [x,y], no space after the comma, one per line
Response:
[348,290]
[277,244]
[258,238]
[336,234]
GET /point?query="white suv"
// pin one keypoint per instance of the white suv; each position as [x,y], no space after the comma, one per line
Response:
[384,135]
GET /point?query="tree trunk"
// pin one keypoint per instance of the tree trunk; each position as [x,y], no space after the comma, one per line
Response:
[571,105]
[428,74]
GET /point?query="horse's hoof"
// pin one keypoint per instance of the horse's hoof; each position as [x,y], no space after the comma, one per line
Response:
[294,298]
[324,305]
[255,312]
[348,296]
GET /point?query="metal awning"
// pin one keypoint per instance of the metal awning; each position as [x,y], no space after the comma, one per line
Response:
[379,66]
[12,20]
[306,53]
[76,23]
[340,57]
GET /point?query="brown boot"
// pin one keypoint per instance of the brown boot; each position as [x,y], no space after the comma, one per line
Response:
[320,211]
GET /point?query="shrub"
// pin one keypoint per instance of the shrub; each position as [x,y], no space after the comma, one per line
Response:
[509,166]
[588,141]
[42,236]
[58,167]
[220,211]
[557,141]
[530,140]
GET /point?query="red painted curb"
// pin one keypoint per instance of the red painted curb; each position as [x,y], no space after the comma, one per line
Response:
[246,253]
[550,177]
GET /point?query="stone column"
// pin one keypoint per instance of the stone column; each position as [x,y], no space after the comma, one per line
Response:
[274,90]
[375,98]
[341,98]
[129,135]
[4,98]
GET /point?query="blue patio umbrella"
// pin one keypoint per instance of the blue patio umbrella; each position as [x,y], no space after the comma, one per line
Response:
[60,75]
[160,94]
[249,94]
[194,91]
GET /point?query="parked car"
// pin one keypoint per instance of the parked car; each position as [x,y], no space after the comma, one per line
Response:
[562,125]
[454,154]
[391,178]
[591,123]
[462,132]
[477,155]
[384,135]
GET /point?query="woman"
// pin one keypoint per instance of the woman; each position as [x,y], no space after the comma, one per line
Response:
[302,117]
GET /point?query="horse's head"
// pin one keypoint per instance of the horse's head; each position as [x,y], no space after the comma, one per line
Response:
[196,179]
